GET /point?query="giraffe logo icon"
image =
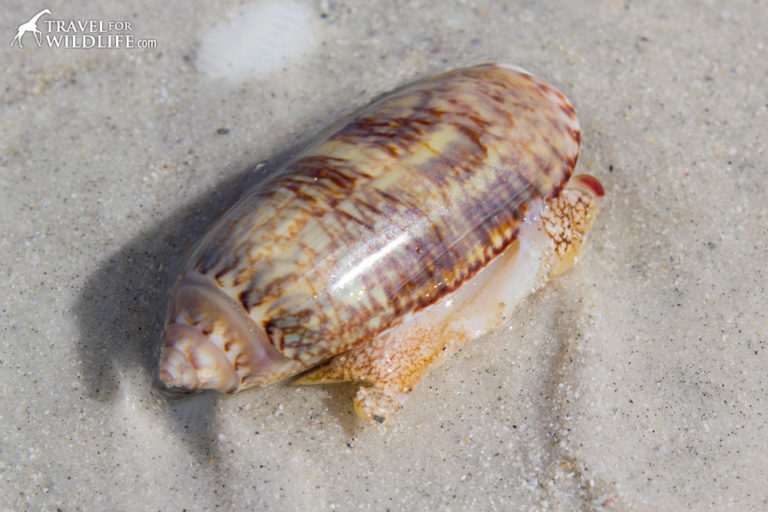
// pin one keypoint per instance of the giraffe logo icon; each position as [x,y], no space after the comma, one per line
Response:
[30,26]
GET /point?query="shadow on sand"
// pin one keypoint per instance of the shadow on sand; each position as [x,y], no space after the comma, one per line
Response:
[121,310]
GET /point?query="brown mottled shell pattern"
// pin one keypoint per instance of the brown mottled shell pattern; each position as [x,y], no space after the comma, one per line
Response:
[401,205]
[412,228]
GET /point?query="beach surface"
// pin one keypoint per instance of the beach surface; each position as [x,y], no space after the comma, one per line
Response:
[635,381]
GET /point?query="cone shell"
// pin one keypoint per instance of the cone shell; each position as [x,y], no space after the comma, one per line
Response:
[409,199]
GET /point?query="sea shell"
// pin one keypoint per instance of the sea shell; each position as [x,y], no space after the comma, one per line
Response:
[413,228]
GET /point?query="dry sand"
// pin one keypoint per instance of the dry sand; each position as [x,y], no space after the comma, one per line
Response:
[637,381]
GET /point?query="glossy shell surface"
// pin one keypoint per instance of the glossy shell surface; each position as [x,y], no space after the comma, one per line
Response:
[398,208]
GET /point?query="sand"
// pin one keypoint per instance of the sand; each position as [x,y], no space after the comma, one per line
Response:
[636,381]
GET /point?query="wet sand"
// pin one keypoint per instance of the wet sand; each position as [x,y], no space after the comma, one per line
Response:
[636,381]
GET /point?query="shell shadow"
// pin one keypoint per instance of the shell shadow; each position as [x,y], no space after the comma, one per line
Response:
[120,310]
[192,419]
